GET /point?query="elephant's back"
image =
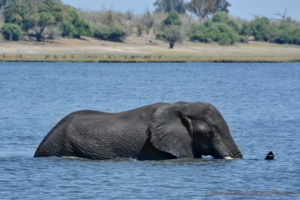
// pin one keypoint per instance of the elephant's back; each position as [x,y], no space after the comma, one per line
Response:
[108,135]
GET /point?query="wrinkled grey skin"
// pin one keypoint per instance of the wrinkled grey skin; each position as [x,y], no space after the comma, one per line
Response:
[155,132]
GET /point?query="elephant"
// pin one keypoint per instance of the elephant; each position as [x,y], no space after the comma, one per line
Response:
[154,132]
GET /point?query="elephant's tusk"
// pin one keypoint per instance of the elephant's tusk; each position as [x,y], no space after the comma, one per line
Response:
[228,158]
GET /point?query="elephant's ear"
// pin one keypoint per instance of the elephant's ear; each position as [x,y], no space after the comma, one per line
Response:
[169,131]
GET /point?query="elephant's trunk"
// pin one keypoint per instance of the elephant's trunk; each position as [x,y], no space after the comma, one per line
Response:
[227,150]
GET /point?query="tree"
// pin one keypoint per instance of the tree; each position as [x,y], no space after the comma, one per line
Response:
[172,34]
[170,5]
[147,21]
[204,8]
[222,6]
[4,4]
[41,21]
[35,16]
[171,29]
[11,31]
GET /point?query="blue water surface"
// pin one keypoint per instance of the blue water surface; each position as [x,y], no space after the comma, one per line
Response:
[260,102]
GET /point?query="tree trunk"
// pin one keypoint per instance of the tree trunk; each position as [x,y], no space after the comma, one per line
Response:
[39,36]
[171,44]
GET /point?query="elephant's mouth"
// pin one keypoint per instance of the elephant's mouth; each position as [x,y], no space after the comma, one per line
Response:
[234,155]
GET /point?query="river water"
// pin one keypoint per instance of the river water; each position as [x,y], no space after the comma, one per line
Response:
[260,102]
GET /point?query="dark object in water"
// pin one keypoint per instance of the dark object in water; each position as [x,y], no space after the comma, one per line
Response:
[270,156]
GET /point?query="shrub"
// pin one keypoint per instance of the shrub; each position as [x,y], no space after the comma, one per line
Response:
[295,36]
[200,37]
[226,34]
[244,39]
[112,33]
[11,31]
[223,17]
[160,36]
[281,37]
[261,29]
[246,29]
[284,31]
[73,25]
[218,32]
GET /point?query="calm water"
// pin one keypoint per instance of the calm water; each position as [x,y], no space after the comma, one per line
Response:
[261,103]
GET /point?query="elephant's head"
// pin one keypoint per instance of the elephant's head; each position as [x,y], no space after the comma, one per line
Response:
[192,130]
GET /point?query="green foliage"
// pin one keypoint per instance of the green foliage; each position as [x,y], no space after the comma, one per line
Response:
[170,5]
[262,29]
[172,19]
[246,29]
[220,29]
[223,17]
[11,31]
[73,25]
[4,4]
[35,16]
[288,31]
[284,31]
[295,37]
[199,33]
[18,14]
[111,33]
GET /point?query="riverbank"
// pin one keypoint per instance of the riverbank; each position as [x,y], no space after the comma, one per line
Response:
[143,49]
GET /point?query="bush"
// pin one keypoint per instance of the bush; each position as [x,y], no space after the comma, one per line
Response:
[226,35]
[281,37]
[223,17]
[246,29]
[295,36]
[200,37]
[11,31]
[284,31]
[112,33]
[262,29]
[160,36]
[74,26]
[218,32]
[244,39]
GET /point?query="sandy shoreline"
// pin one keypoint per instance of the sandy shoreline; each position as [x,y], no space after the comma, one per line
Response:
[136,49]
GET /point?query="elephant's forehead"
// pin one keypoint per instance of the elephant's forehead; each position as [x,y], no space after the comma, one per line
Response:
[198,112]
